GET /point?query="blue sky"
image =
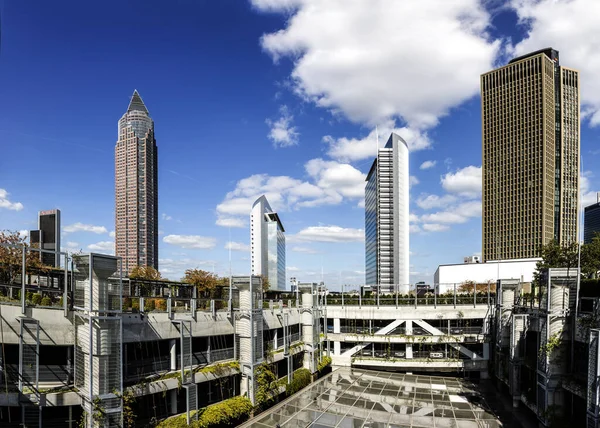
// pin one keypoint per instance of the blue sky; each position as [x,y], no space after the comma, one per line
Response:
[268,96]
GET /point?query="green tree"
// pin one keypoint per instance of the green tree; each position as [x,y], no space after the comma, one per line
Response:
[204,281]
[590,258]
[11,258]
[555,256]
[145,272]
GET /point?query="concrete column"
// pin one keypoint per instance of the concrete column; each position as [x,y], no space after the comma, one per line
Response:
[486,351]
[337,348]
[173,402]
[336,325]
[409,350]
[307,311]
[275,340]
[173,352]
[409,327]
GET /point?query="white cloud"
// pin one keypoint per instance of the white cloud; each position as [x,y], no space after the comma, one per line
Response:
[588,197]
[575,38]
[292,269]
[465,182]
[357,58]
[454,215]
[428,202]
[230,222]
[413,218]
[174,269]
[6,203]
[329,234]
[72,247]
[80,227]
[112,234]
[24,234]
[305,250]
[191,241]
[282,133]
[434,227]
[166,217]
[412,181]
[427,164]
[354,149]
[237,246]
[331,183]
[103,246]
[414,228]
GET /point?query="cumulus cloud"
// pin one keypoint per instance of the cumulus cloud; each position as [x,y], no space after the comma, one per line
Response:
[166,217]
[412,181]
[329,234]
[237,246]
[353,149]
[428,202]
[460,213]
[112,234]
[175,268]
[80,227]
[230,222]
[575,39]
[103,246]
[358,66]
[191,241]
[588,197]
[465,182]
[330,183]
[6,203]
[434,227]
[427,164]
[282,133]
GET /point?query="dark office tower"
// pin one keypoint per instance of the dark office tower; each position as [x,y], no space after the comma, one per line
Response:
[47,237]
[136,188]
[591,221]
[530,149]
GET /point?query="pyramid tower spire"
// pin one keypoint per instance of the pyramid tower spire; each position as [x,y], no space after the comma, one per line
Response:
[136,103]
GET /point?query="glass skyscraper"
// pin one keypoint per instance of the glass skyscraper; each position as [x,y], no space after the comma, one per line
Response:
[386,218]
[591,221]
[267,244]
[136,188]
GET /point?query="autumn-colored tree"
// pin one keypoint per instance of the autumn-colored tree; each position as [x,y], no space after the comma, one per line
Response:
[467,287]
[11,258]
[265,283]
[204,281]
[145,272]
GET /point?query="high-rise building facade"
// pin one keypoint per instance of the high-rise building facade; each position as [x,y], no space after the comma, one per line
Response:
[386,217]
[136,188]
[47,236]
[530,149]
[267,244]
[591,221]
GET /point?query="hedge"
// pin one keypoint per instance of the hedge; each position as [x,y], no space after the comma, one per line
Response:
[300,379]
[230,412]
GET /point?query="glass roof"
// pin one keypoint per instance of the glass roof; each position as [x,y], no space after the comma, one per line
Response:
[364,398]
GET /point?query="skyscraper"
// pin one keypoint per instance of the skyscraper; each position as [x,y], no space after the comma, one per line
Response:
[386,217]
[530,139]
[47,237]
[591,221]
[267,244]
[136,188]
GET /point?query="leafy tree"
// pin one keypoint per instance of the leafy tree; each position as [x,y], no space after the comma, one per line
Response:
[590,258]
[145,272]
[11,258]
[204,281]
[555,256]
[467,287]
[265,283]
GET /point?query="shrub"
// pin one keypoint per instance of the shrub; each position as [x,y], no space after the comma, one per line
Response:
[126,302]
[28,296]
[46,301]
[324,363]
[61,301]
[36,299]
[160,305]
[300,379]
[230,412]
[135,306]
[148,305]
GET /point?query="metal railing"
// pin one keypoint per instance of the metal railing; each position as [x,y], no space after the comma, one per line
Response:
[403,300]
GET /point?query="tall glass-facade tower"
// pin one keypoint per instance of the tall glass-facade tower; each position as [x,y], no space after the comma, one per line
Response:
[386,218]
[136,188]
[530,146]
[267,244]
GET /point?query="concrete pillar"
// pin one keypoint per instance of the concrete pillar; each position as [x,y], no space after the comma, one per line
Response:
[173,352]
[486,351]
[173,402]
[409,350]
[337,348]
[409,327]
[308,336]
[275,340]
[336,325]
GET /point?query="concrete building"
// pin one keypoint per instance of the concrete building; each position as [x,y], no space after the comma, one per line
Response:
[386,217]
[47,236]
[591,221]
[267,244]
[447,276]
[530,147]
[136,188]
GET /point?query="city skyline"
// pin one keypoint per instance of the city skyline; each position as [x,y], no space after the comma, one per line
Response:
[232,126]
